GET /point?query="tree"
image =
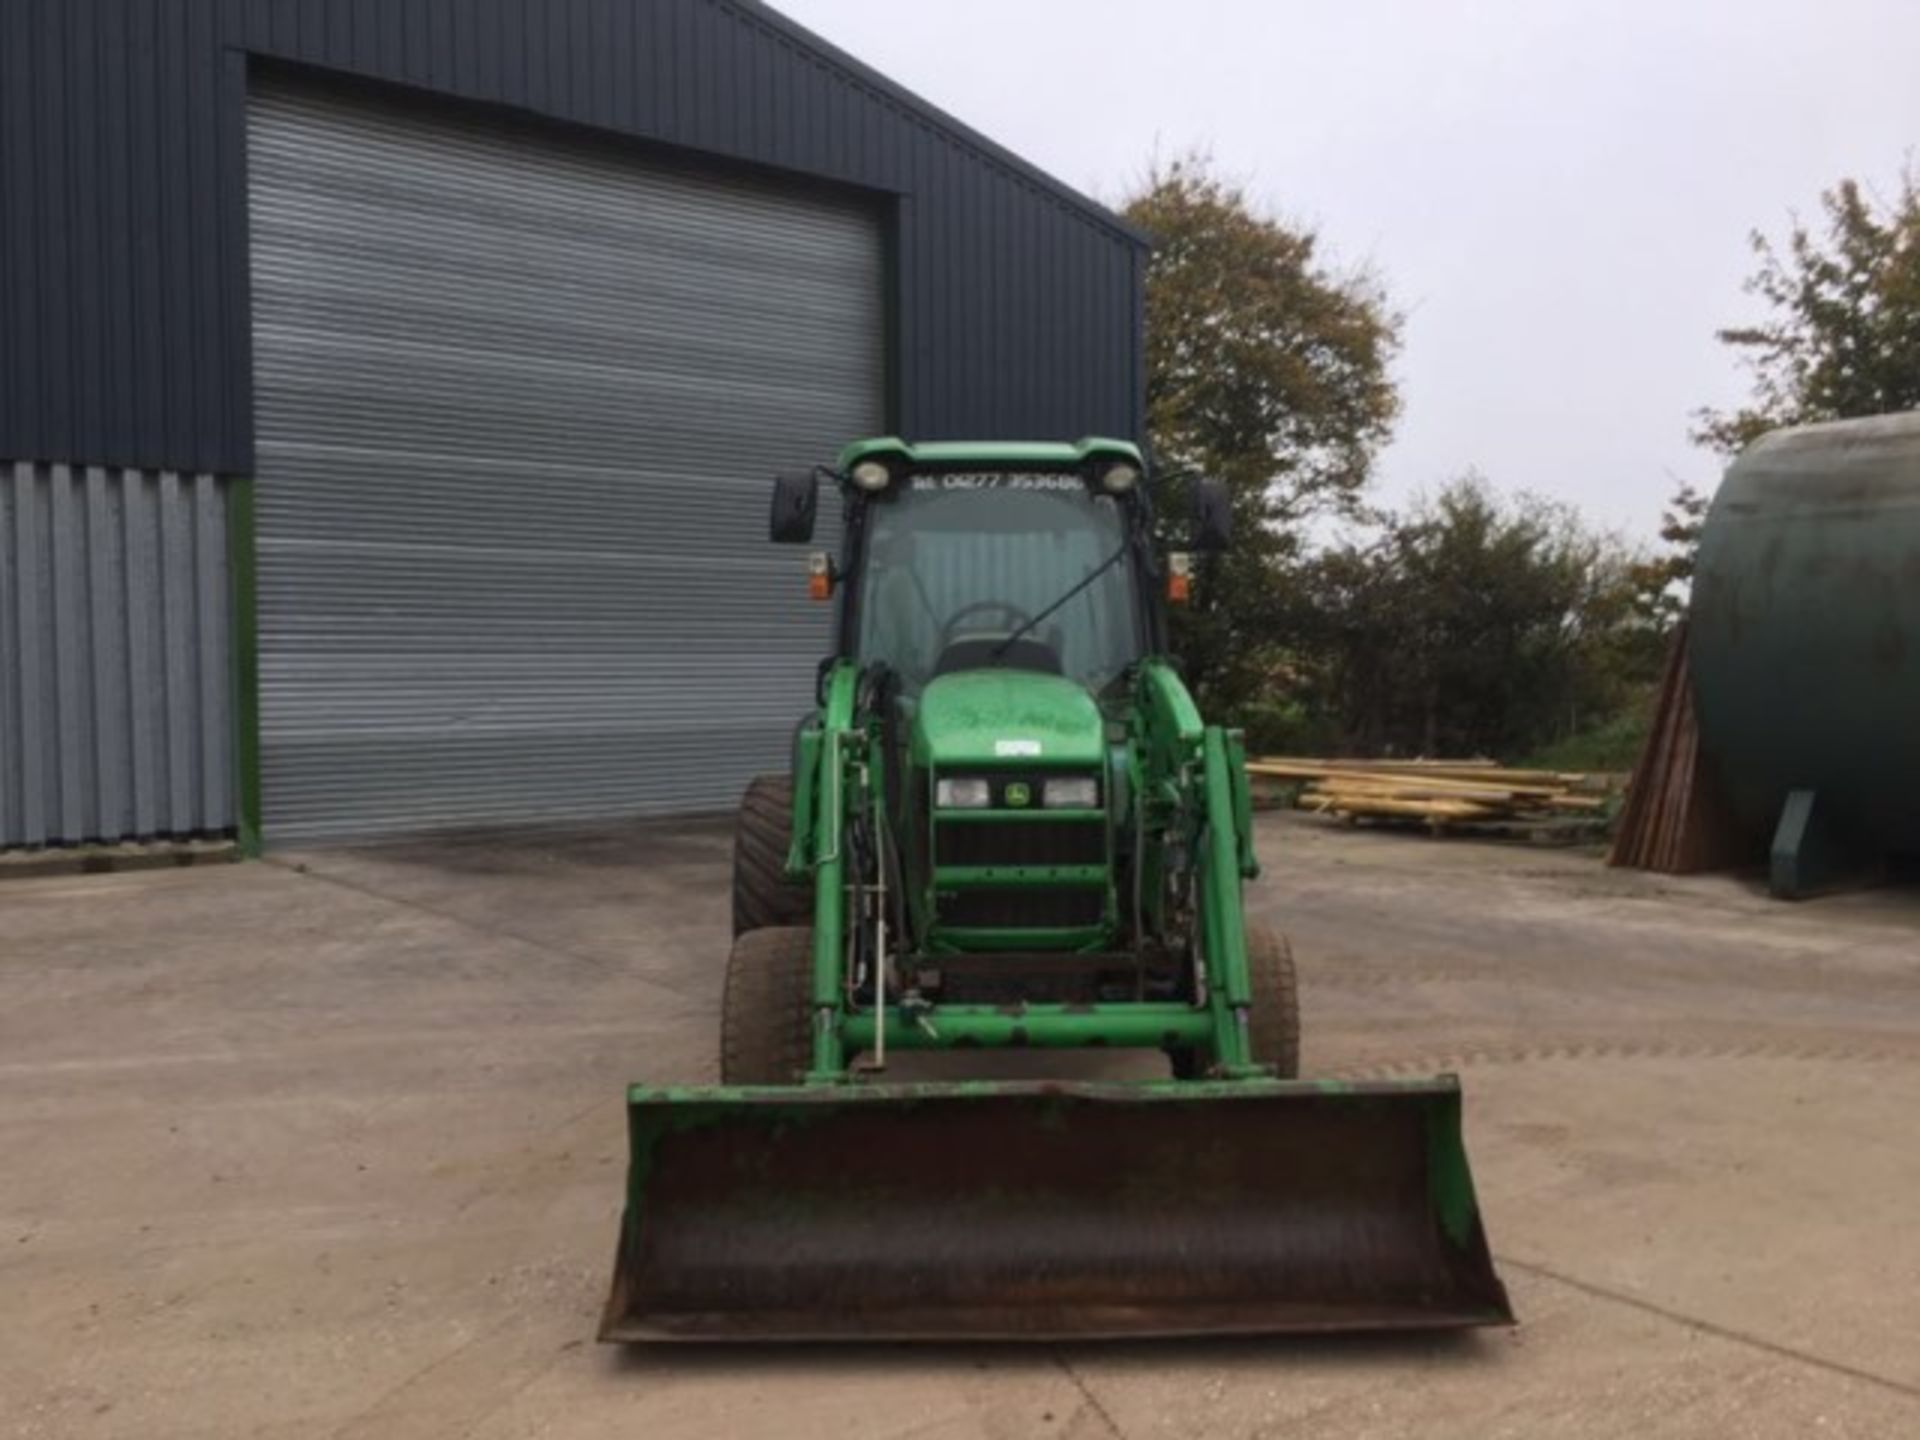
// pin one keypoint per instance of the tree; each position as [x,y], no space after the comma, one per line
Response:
[1663,580]
[1844,335]
[1268,371]
[1473,624]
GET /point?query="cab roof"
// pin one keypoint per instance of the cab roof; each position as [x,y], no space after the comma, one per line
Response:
[993,453]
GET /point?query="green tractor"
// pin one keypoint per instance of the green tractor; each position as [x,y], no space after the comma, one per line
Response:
[1008,826]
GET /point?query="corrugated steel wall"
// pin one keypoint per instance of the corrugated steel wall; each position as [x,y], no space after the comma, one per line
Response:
[125,310]
[115,681]
[519,402]
[123,277]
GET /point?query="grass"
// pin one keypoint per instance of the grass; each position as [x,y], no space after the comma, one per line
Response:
[1614,745]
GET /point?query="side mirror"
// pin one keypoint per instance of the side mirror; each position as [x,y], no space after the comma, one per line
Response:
[1212,515]
[795,500]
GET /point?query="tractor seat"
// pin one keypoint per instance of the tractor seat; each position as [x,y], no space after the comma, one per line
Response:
[976,653]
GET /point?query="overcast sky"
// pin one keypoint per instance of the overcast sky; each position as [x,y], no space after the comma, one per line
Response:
[1556,194]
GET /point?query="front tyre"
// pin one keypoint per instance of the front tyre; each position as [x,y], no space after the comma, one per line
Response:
[1273,1020]
[766,1019]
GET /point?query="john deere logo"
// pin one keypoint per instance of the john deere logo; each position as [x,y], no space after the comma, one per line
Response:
[1019,795]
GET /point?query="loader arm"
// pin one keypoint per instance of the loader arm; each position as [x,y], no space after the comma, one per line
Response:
[1192,789]
[836,781]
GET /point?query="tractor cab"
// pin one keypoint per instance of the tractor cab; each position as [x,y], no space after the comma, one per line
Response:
[1017,568]
[958,557]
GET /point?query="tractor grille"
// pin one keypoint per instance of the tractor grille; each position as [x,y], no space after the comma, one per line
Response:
[1017,842]
[1022,909]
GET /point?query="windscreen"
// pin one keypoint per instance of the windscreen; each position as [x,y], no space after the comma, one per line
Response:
[960,558]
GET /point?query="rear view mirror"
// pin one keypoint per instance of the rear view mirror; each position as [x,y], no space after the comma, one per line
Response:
[795,499]
[1212,515]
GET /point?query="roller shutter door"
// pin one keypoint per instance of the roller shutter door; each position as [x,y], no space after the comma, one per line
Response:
[517,403]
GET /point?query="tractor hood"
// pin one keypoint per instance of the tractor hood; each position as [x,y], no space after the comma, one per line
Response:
[1001,717]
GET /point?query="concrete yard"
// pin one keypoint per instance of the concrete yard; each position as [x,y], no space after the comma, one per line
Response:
[332,1145]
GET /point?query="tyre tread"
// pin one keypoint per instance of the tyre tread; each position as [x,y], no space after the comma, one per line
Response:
[762,895]
[766,1035]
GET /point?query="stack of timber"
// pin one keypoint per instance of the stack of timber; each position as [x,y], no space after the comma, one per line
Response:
[1673,821]
[1445,794]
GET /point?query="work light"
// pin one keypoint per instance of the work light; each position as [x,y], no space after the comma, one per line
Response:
[1078,792]
[970,793]
[1120,477]
[871,475]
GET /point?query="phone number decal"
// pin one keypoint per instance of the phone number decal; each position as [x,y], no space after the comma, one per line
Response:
[997,480]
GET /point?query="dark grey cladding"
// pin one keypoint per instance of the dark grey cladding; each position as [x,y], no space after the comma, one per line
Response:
[124,334]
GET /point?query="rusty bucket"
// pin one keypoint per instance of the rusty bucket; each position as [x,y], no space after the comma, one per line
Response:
[1041,1210]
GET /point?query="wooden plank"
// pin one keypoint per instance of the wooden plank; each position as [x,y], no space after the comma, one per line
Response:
[1418,809]
[1466,789]
[1306,768]
[1655,820]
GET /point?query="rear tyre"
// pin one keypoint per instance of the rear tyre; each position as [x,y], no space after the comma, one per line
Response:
[762,830]
[766,1021]
[1273,1022]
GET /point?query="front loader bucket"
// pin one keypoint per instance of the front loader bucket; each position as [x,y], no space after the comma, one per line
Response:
[1033,1211]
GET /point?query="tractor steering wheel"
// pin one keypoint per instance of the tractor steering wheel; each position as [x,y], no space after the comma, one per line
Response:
[1015,615]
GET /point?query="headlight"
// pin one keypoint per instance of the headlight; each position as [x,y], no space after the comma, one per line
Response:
[1079,793]
[1120,477]
[967,794]
[871,475]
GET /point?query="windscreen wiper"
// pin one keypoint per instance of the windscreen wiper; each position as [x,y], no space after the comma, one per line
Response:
[1032,620]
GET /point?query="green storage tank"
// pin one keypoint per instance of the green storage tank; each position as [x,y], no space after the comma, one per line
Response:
[1805,643]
